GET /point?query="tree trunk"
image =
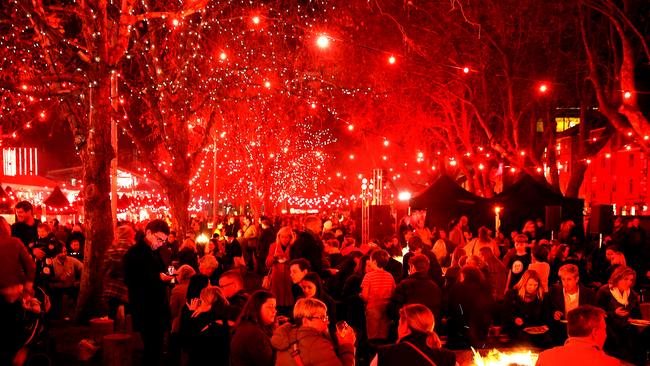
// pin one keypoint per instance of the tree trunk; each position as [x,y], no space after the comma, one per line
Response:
[578,170]
[179,200]
[96,158]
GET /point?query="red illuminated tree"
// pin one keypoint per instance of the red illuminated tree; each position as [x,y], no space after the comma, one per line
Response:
[231,71]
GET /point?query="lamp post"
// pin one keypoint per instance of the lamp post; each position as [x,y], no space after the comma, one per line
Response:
[365,210]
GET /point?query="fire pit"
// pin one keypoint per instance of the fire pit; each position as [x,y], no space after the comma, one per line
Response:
[514,357]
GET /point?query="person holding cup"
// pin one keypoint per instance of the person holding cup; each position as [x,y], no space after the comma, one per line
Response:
[308,341]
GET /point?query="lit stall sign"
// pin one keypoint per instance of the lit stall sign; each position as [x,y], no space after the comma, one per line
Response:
[19,161]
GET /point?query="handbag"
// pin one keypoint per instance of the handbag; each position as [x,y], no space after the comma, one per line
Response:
[266,281]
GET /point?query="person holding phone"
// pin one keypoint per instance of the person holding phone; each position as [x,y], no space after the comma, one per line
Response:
[146,280]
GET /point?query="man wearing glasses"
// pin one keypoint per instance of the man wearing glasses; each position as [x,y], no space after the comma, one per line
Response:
[231,284]
[146,281]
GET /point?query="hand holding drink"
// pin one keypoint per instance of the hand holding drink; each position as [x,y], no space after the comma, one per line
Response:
[345,333]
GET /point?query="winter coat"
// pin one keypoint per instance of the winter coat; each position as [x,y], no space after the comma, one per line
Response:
[316,348]
[576,352]
[147,292]
[403,354]
[280,279]
[309,247]
[417,288]
[250,346]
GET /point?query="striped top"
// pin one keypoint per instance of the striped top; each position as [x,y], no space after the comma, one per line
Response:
[379,286]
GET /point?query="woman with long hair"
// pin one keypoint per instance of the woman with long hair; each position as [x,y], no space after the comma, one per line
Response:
[312,288]
[621,303]
[566,233]
[469,309]
[204,330]
[453,272]
[483,240]
[417,343]
[251,340]
[187,254]
[525,306]
[278,263]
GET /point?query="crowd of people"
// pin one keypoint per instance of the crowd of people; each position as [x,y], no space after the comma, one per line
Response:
[307,291]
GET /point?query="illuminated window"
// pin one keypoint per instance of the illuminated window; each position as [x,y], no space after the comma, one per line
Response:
[20,161]
[564,123]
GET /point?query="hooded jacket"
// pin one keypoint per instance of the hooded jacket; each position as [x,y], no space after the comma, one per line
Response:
[316,348]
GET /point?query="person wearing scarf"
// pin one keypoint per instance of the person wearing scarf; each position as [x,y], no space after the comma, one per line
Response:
[621,303]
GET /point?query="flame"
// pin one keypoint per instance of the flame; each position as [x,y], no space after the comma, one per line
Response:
[497,358]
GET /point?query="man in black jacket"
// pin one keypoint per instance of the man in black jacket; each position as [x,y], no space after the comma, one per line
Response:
[26,226]
[146,281]
[565,297]
[417,288]
[266,238]
[309,244]
[416,246]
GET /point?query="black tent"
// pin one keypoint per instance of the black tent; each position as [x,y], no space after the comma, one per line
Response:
[445,200]
[527,199]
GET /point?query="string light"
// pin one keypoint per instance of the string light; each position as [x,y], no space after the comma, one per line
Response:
[246,86]
[323,41]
